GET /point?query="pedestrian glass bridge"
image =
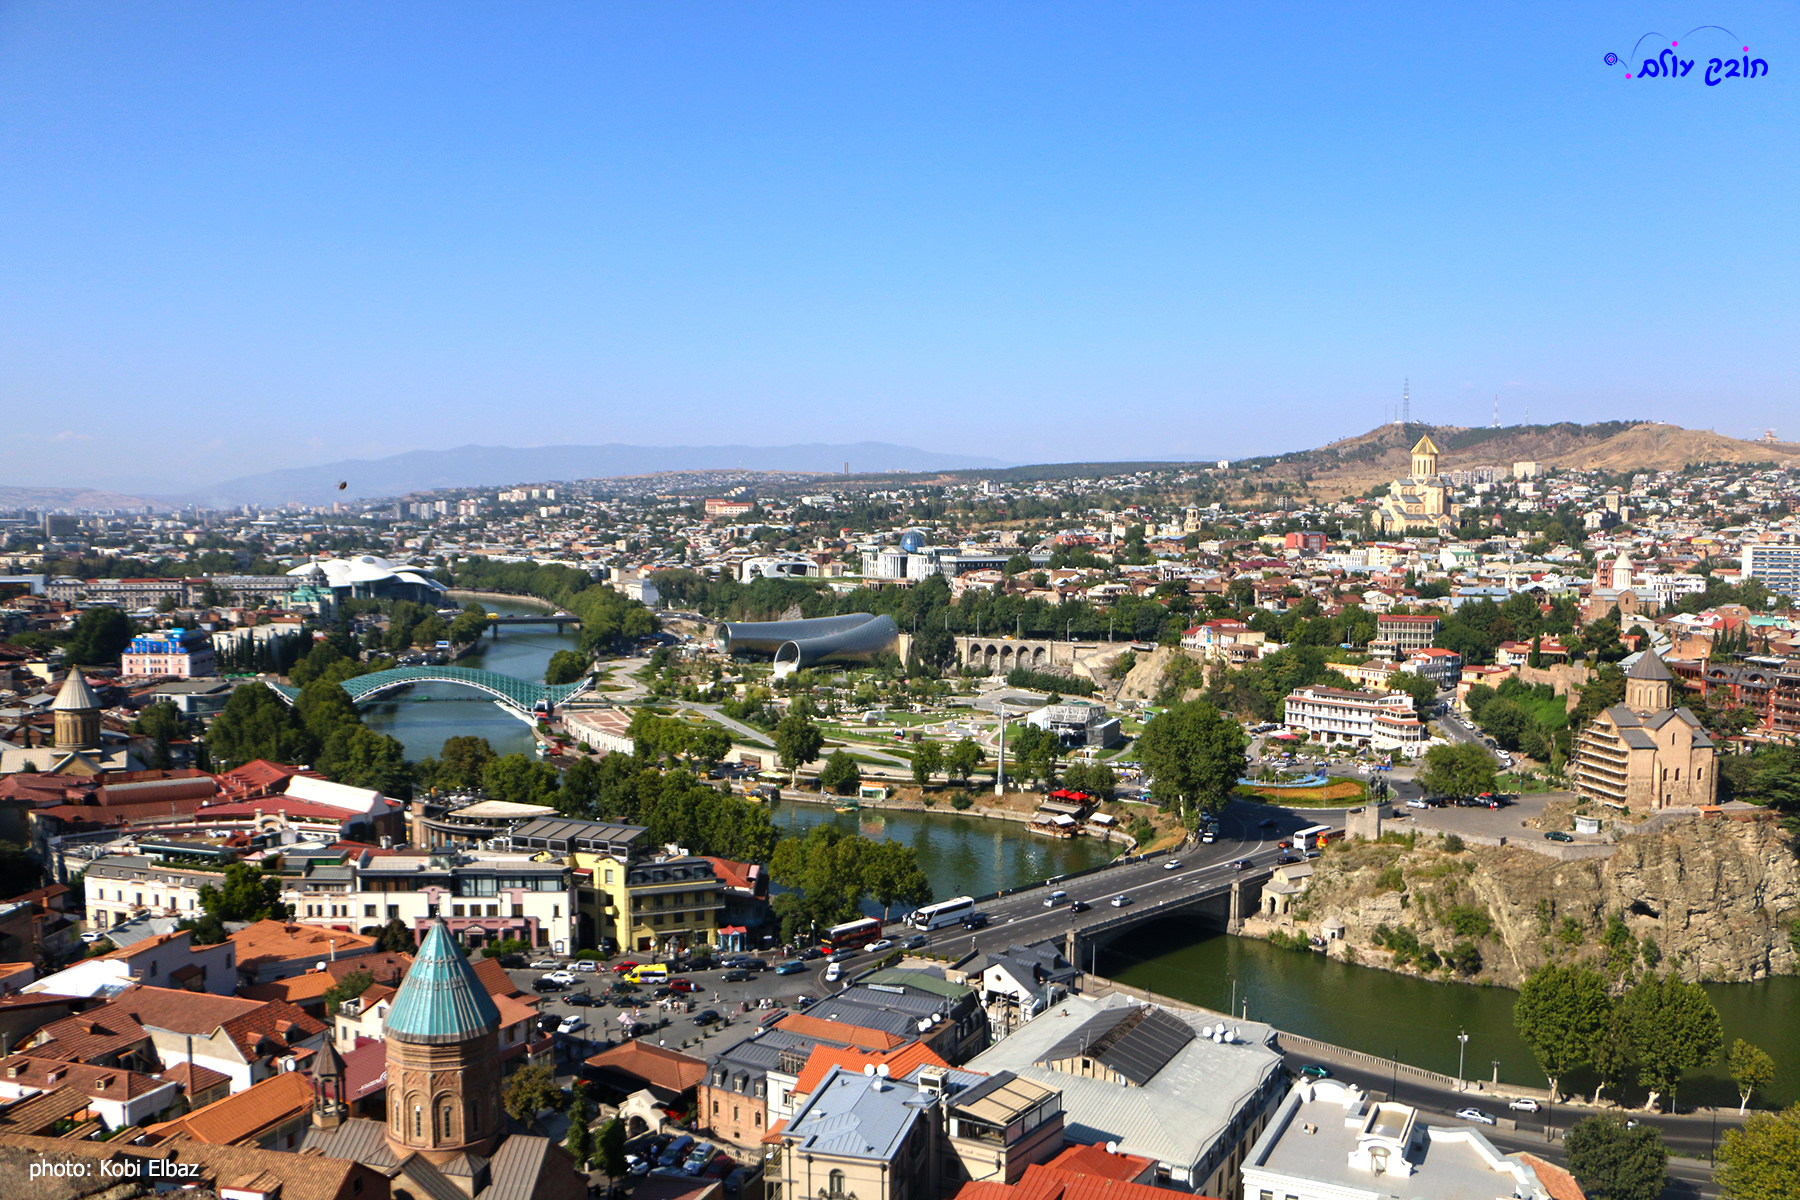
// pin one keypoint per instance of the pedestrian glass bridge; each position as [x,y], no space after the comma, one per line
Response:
[518,694]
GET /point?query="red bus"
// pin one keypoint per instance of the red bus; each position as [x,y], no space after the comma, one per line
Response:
[852,935]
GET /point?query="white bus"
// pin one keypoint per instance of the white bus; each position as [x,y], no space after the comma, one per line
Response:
[936,916]
[1314,837]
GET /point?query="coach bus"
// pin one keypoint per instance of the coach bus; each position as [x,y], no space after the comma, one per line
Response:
[852,935]
[936,916]
[1314,837]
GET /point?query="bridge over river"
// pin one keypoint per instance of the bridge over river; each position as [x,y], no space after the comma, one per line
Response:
[522,697]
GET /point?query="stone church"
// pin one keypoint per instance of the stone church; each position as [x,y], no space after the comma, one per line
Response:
[1644,754]
[1418,502]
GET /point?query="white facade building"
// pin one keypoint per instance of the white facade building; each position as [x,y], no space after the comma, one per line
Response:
[1332,715]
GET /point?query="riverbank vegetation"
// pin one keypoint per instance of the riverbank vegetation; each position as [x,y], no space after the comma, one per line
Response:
[608,617]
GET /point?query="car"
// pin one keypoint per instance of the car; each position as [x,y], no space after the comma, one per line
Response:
[636,1164]
[1287,860]
[1242,864]
[514,962]
[545,964]
[1557,835]
[810,953]
[93,935]
[1055,898]
[622,968]
[878,945]
[1417,802]
[735,977]
[1079,906]
[1524,1104]
[1120,901]
[548,1023]
[833,971]
[1208,836]
[975,921]
[572,1023]
[1475,1115]
[699,1158]
[681,986]
[1268,822]
[1174,864]
[844,955]
[677,1150]
[561,976]
[547,983]
[792,966]
[580,1000]
[587,964]
[707,1016]
[1316,1071]
[747,963]
[917,941]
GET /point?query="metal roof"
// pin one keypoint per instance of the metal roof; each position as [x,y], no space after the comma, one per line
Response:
[440,1000]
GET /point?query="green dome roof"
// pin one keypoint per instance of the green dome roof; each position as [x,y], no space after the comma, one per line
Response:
[441,999]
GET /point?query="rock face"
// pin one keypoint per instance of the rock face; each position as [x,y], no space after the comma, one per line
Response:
[1716,898]
[1146,678]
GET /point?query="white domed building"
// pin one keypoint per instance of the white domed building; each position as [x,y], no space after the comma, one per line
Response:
[369,577]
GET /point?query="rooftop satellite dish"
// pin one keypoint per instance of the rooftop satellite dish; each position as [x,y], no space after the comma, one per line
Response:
[1112,1147]
[319,966]
[869,1069]
[882,1070]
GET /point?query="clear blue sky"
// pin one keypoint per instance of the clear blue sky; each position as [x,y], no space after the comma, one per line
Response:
[242,236]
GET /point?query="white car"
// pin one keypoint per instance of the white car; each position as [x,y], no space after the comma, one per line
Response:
[563,977]
[1475,1115]
[571,1023]
[1416,802]
[878,945]
[833,971]
[637,1164]
[1120,901]
[1174,864]
[1524,1104]
[587,964]
[545,964]
[92,936]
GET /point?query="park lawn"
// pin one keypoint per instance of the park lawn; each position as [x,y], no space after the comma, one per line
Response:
[1334,795]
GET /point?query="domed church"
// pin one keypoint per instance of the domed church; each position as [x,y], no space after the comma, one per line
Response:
[446,1132]
[1418,502]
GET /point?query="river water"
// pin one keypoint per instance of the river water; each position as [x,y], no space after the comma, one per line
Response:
[1377,1012]
[424,717]
[1382,1013]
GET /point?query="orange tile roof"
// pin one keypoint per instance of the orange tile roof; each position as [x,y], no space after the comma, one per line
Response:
[664,1068]
[38,1112]
[387,966]
[1094,1160]
[268,943]
[194,1078]
[1559,1183]
[311,986]
[87,1036]
[838,1031]
[245,1116]
[900,1063]
[105,1083]
[494,978]
[272,1024]
[1049,1183]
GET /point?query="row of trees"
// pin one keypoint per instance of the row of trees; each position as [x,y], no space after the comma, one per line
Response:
[827,875]
[608,617]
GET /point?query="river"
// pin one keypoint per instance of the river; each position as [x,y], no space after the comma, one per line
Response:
[1382,1013]
[425,716]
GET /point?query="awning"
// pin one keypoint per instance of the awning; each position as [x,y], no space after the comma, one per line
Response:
[734,929]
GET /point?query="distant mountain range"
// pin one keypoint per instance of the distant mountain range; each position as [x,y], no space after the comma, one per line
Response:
[493,466]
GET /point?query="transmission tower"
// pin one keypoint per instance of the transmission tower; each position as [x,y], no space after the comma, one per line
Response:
[1496,410]
[1406,402]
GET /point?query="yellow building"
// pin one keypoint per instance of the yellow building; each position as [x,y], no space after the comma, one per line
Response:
[641,900]
[1418,502]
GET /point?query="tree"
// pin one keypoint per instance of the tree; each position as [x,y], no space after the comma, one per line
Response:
[927,760]
[1609,1158]
[348,988]
[825,877]
[20,870]
[708,745]
[462,761]
[520,779]
[1673,1027]
[255,723]
[247,895]
[1196,756]
[1460,769]
[840,773]
[1751,1069]
[580,1142]
[1761,1161]
[609,1148]
[1559,1013]
[566,666]
[798,741]
[892,875]
[963,759]
[396,938]
[162,723]
[1610,1054]
[100,636]
[530,1091]
[1422,688]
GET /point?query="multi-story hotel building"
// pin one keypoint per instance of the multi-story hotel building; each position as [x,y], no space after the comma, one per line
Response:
[1332,715]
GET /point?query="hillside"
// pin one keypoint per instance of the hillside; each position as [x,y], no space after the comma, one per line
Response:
[85,499]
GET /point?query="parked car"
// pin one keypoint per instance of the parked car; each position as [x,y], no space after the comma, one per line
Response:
[1557,835]
[571,1023]
[707,1016]
[833,971]
[792,966]
[637,1164]
[545,964]
[1417,802]
[878,945]
[1524,1104]
[699,1158]
[580,1000]
[547,983]
[586,964]
[735,977]
[1172,865]
[1475,1115]
[564,977]
[1208,836]
[514,962]
[675,1151]
[681,986]
[1316,1071]
[1121,900]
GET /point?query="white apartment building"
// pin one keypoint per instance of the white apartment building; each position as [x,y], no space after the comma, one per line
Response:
[1332,715]
[1777,564]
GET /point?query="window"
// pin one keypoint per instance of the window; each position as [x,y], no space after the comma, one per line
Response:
[555,911]
[417,1122]
[456,910]
[518,911]
[736,1113]
[493,910]
[835,1183]
[368,910]
[447,1133]
[715,1108]
[393,910]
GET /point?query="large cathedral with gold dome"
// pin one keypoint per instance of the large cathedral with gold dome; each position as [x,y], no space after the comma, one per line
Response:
[1418,502]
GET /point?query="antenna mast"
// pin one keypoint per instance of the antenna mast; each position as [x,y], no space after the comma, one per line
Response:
[1406,402]
[1496,410]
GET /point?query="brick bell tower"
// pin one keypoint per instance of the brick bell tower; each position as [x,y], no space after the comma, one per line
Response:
[443,1059]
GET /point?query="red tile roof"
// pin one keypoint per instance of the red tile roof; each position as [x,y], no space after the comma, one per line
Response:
[838,1031]
[92,1035]
[269,943]
[1051,1183]
[258,1028]
[900,1063]
[667,1069]
[104,1083]
[1095,1160]
[195,1078]
[247,1115]
[1559,1183]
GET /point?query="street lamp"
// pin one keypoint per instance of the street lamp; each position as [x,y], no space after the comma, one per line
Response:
[1462,1045]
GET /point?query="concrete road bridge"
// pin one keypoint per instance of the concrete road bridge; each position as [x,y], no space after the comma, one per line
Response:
[559,619]
[524,698]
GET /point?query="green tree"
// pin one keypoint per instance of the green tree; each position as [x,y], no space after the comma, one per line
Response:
[1761,1161]
[1610,1159]
[580,1141]
[1610,1054]
[1674,1027]
[566,666]
[462,761]
[348,988]
[247,895]
[927,760]
[892,875]
[1459,769]
[1559,1013]
[396,938]
[964,759]
[609,1148]
[824,876]
[840,774]
[100,636]
[1751,1070]
[256,723]
[798,741]
[530,1091]
[162,723]
[357,756]
[708,745]
[1421,688]
[520,779]
[1195,754]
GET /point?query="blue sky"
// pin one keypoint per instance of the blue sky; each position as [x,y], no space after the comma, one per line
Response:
[263,235]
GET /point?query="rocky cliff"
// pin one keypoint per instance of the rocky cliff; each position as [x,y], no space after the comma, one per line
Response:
[1714,900]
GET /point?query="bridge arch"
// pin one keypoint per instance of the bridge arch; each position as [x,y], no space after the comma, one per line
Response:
[520,695]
